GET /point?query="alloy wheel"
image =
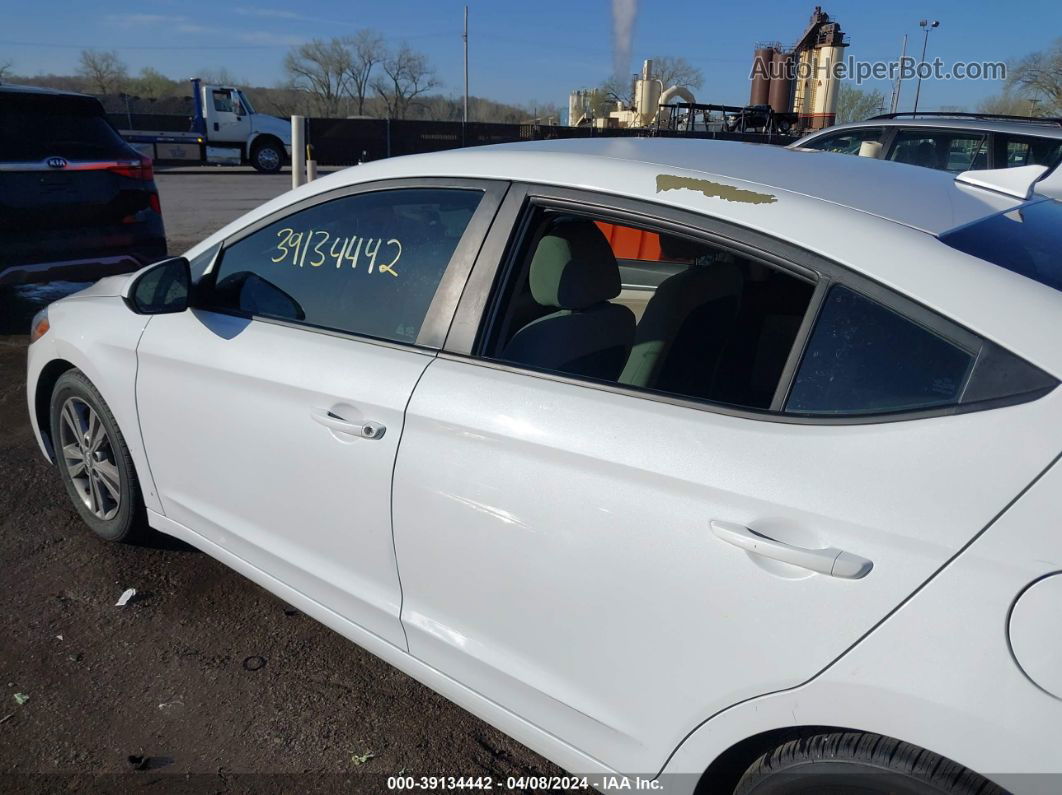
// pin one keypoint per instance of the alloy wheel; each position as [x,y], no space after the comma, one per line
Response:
[89,458]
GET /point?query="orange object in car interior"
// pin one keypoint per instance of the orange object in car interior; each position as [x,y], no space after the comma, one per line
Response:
[630,243]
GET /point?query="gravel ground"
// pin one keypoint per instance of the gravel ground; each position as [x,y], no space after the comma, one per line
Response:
[203,682]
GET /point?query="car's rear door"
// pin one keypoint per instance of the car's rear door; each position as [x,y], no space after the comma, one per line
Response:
[616,564]
[272,410]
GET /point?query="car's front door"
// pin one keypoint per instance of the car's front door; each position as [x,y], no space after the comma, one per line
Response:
[272,410]
[615,555]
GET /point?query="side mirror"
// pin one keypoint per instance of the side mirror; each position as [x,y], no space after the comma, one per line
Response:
[161,289]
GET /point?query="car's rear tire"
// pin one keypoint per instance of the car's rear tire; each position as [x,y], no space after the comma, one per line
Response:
[267,155]
[843,762]
[94,461]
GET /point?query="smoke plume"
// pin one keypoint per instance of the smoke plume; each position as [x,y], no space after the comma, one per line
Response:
[623,13]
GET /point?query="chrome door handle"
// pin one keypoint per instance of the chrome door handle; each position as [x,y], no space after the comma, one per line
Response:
[366,430]
[830,561]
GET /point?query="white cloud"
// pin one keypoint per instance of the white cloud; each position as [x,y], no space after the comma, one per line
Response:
[267,37]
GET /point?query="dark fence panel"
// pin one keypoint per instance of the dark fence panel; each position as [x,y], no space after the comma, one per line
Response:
[344,142]
[162,122]
[340,142]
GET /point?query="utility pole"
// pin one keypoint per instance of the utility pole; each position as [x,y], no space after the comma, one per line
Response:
[926,25]
[465,37]
[899,77]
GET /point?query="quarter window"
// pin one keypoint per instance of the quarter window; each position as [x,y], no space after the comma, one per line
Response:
[864,358]
[366,264]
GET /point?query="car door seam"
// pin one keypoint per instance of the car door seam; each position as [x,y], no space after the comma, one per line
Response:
[394,469]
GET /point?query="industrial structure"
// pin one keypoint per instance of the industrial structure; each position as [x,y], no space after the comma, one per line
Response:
[648,98]
[794,88]
[801,79]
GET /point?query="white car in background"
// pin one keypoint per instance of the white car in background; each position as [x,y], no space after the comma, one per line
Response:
[954,142]
[713,462]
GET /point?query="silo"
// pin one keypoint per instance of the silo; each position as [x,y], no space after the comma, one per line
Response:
[781,91]
[761,80]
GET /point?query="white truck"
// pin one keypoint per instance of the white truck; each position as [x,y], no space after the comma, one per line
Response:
[224,129]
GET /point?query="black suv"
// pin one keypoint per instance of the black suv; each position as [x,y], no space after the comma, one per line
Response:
[76,201]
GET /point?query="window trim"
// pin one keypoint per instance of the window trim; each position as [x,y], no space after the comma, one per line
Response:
[444,303]
[479,304]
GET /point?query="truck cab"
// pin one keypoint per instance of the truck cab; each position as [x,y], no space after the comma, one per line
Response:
[235,133]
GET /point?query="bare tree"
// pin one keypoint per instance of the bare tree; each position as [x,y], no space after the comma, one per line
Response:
[368,50]
[104,71]
[1011,103]
[855,104]
[670,70]
[322,70]
[6,69]
[220,76]
[406,76]
[1039,76]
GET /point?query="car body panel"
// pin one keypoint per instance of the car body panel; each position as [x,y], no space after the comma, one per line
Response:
[555,548]
[98,335]
[937,672]
[262,478]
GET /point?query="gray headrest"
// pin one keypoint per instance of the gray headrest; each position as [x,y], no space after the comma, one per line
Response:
[574,267]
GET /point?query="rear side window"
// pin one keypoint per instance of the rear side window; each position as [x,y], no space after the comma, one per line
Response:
[947,151]
[1026,240]
[34,127]
[641,308]
[863,358]
[845,143]
[366,264]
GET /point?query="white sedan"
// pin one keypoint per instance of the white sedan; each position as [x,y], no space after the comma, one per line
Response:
[700,462]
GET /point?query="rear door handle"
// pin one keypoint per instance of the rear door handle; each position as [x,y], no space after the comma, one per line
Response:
[366,430]
[831,561]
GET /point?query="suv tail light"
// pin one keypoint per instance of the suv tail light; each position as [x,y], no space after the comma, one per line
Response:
[143,168]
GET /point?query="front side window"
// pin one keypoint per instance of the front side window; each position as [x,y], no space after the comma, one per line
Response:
[946,151]
[864,358]
[366,264]
[223,101]
[847,142]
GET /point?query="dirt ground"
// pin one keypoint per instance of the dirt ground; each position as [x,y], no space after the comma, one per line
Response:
[203,682]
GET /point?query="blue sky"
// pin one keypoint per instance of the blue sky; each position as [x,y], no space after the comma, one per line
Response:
[520,51]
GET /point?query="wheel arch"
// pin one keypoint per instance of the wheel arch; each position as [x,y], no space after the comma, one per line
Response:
[724,772]
[259,138]
[42,399]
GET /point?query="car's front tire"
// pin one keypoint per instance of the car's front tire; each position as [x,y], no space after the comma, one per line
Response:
[844,762]
[94,461]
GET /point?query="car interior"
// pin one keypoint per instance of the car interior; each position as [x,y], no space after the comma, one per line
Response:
[649,310]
